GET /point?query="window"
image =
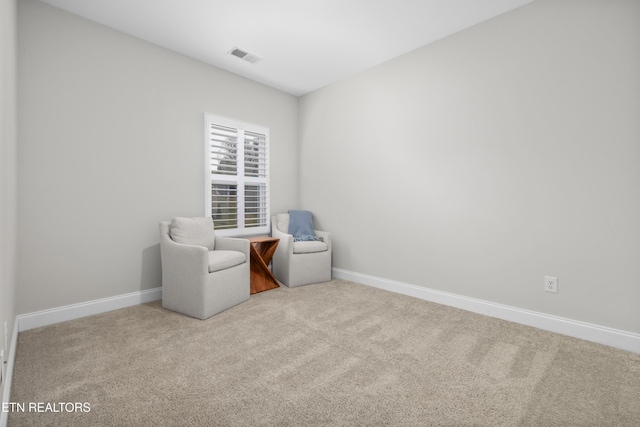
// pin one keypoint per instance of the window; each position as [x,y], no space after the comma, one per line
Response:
[237,176]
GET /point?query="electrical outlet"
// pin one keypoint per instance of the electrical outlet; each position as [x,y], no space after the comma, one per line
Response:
[551,284]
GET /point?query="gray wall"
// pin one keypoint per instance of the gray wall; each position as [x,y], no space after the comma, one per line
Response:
[475,165]
[110,143]
[485,161]
[8,173]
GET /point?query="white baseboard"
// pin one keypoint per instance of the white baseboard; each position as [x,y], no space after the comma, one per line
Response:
[75,311]
[599,334]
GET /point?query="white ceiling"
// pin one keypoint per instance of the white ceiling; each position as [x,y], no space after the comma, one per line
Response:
[306,44]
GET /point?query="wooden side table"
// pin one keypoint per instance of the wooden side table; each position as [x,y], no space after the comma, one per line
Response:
[262,250]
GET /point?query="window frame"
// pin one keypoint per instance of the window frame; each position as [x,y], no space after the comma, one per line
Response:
[239,179]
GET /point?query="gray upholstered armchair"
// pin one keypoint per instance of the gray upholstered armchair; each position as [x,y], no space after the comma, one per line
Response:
[202,274]
[300,263]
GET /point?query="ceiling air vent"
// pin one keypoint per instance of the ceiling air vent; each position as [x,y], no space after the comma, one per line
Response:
[247,56]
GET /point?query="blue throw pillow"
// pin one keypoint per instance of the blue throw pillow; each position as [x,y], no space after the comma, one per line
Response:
[301,225]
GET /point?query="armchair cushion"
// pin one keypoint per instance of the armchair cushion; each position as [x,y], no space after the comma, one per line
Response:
[220,260]
[282,222]
[193,231]
[308,247]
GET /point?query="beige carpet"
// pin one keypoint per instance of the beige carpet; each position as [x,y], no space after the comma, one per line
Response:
[333,354]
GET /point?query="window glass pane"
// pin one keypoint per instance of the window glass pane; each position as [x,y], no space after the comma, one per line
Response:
[224,206]
[255,205]
[224,150]
[255,155]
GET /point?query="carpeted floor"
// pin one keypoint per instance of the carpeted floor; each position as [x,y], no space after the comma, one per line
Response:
[332,354]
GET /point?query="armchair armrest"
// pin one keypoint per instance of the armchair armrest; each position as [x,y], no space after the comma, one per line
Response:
[326,237]
[286,240]
[180,260]
[233,244]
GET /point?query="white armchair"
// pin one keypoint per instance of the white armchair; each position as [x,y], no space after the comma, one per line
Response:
[300,263]
[202,274]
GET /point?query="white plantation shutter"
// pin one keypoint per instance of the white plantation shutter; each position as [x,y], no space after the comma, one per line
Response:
[255,174]
[223,149]
[255,155]
[237,176]
[224,205]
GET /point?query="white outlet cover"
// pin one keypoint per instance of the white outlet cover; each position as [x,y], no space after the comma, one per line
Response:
[551,284]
